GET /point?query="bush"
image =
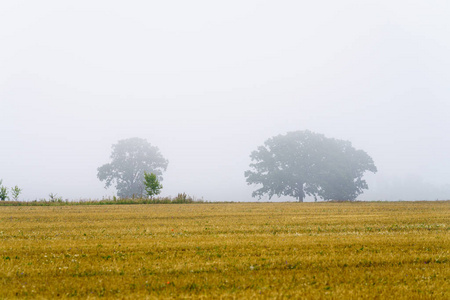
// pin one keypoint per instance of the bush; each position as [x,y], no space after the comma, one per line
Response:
[55,198]
[3,192]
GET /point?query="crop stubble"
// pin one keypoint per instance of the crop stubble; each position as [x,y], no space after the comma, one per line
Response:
[227,250]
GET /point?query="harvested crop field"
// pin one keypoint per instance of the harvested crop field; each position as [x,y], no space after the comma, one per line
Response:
[227,250]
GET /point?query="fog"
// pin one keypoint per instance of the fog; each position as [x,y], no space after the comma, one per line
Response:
[207,82]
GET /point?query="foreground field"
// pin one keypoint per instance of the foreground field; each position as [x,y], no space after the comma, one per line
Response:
[255,250]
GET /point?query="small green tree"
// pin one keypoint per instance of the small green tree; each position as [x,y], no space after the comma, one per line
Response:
[15,192]
[152,185]
[3,192]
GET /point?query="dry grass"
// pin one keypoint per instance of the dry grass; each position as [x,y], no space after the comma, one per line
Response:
[255,250]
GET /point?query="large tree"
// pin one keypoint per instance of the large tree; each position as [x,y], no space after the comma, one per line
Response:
[304,163]
[130,159]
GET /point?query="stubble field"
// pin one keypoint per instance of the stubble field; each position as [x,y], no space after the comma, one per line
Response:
[237,250]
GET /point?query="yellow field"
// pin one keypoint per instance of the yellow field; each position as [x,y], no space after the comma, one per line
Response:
[256,250]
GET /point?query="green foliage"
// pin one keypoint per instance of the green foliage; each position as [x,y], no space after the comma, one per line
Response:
[152,185]
[305,163]
[3,192]
[181,198]
[15,192]
[130,158]
[55,198]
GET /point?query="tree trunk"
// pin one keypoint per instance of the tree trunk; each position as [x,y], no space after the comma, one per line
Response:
[300,193]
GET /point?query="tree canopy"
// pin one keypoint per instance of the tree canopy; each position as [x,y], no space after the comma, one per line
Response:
[130,159]
[304,163]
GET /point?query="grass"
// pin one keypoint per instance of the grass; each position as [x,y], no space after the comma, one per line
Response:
[228,250]
[181,198]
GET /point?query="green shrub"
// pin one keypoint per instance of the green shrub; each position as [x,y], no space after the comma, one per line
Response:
[3,192]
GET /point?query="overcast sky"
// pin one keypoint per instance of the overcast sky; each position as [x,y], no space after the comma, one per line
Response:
[209,81]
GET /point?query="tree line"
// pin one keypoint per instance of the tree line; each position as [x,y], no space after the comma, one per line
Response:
[296,164]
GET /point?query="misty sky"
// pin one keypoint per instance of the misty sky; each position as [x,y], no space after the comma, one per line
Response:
[209,81]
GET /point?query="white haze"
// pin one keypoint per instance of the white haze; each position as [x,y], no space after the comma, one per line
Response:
[209,81]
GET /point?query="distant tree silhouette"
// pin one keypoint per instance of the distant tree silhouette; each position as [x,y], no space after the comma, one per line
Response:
[305,163]
[130,159]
